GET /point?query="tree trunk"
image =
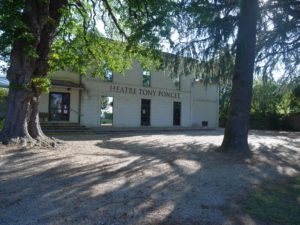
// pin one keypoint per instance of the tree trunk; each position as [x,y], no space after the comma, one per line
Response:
[42,19]
[34,127]
[236,130]
[16,119]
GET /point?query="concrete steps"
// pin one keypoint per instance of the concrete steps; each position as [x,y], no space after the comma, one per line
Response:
[52,128]
[63,128]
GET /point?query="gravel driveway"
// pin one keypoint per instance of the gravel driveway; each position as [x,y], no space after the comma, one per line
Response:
[139,178]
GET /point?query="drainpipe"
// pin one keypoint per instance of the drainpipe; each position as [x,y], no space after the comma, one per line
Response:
[79,100]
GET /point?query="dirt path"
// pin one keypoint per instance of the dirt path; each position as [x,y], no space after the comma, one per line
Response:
[168,178]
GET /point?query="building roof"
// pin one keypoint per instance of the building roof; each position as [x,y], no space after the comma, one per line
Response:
[4,82]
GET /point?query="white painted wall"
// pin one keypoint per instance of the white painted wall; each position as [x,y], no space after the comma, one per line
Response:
[126,111]
[205,104]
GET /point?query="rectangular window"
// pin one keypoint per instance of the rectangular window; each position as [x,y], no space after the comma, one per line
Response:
[145,112]
[59,106]
[176,82]
[108,75]
[176,113]
[146,78]
[106,107]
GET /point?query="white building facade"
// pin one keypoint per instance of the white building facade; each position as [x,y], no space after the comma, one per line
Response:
[140,98]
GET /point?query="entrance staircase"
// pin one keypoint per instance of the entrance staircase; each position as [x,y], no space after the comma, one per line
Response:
[64,128]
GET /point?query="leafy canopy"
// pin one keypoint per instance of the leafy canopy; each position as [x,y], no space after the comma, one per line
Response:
[132,30]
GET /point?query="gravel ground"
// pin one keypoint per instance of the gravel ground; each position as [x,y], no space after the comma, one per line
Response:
[140,178]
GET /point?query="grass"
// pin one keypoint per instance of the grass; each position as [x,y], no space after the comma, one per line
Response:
[106,121]
[278,203]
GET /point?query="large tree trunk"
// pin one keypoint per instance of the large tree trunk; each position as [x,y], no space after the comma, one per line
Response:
[34,127]
[236,131]
[16,118]
[42,19]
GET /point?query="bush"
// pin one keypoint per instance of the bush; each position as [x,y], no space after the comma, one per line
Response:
[3,93]
[108,116]
[1,123]
[3,102]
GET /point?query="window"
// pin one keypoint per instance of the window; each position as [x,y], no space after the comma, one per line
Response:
[146,78]
[176,113]
[108,75]
[106,107]
[145,112]
[176,82]
[59,106]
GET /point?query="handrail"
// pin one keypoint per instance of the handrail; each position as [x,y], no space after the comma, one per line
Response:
[73,110]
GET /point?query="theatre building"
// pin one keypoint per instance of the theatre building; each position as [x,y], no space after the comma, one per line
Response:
[138,98]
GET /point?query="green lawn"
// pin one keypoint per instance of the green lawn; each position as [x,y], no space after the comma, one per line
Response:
[277,203]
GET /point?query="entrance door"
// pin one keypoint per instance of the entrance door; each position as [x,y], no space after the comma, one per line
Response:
[176,113]
[59,106]
[145,112]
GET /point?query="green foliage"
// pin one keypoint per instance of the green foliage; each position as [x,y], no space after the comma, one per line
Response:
[224,103]
[295,100]
[274,98]
[278,39]
[80,47]
[10,25]
[108,116]
[1,124]
[207,31]
[276,204]
[266,97]
[96,56]
[37,84]
[104,102]
[296,92]
[3,102]
[3,92]
[88,52]
[272,104]
[42,84]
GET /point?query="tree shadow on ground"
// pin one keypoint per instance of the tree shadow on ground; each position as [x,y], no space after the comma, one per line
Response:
[145,133]
[128,181]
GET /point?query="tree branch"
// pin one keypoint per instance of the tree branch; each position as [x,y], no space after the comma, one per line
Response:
[110,12]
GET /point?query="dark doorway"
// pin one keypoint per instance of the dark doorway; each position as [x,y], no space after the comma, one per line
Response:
[59,106]
[176,113]
[145,112]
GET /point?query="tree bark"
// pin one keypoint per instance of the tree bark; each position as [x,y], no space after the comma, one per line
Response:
[41,19]
[236,130]
[16,118]
[34,127]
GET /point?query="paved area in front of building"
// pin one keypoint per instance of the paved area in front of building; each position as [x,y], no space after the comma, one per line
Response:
[139,178]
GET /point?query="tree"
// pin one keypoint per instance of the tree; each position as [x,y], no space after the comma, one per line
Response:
[236,130]
[278,39]
[262,36]
[36,34]
[217,31]
[35,28]
[104,102]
